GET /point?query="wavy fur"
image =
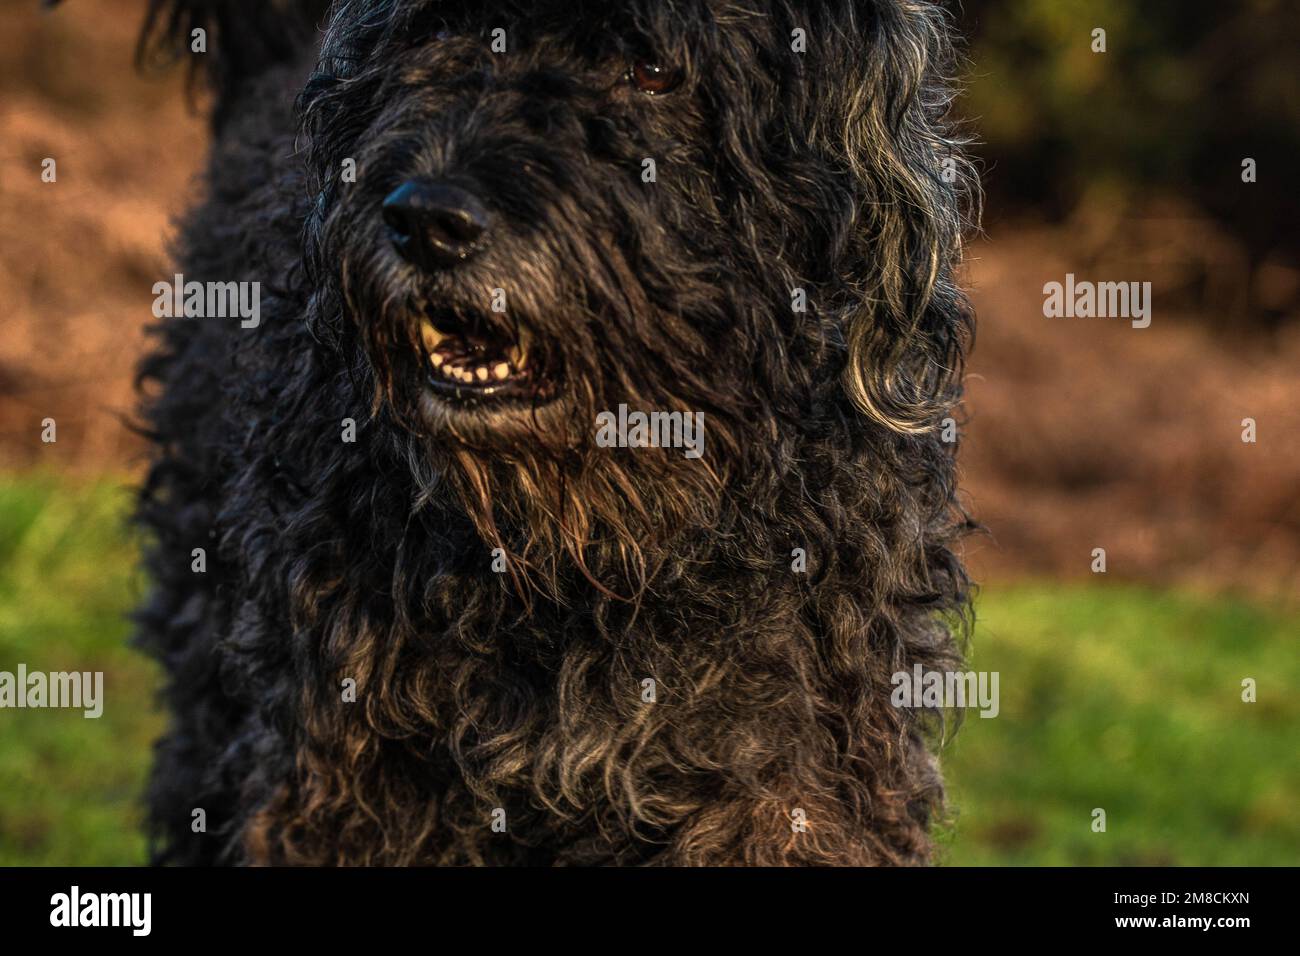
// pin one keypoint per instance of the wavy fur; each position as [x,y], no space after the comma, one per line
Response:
[371,561]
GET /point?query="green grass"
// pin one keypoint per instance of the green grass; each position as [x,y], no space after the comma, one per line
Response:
[69,786]
[1129,700]
[1111,696]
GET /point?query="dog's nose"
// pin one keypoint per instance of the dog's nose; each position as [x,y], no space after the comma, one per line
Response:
[435,225]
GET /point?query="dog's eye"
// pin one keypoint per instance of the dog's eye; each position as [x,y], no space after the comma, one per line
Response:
[652,78]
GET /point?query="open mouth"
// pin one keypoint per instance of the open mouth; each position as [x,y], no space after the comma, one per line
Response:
[479,365]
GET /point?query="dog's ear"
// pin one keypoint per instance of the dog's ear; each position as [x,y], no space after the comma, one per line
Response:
[886,79]
[224,43]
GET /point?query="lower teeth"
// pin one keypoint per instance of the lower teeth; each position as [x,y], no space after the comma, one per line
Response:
[490,371]
[482,374]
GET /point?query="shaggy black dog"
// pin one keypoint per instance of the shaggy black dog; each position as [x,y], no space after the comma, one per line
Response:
[439,622]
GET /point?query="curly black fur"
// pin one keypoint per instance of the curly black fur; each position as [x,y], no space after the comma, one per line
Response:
[372,561]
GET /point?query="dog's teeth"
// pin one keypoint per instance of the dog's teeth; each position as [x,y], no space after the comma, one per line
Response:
[501,371]
[436,359]
[430,335]
[482,373]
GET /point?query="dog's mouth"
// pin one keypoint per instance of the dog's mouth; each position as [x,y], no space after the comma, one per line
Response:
[473,361]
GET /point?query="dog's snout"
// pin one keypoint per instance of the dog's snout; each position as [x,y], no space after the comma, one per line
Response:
[435,225]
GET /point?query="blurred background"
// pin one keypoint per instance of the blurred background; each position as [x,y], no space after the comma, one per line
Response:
[1120,690]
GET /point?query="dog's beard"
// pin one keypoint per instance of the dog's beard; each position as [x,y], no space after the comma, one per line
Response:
[558,513]
[587,521]
[561,514]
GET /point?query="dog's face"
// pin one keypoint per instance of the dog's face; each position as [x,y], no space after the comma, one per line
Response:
[527,214]
[696,206]
[559,210]
[559,207]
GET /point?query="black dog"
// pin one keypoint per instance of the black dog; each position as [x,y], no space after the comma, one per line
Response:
[439,621]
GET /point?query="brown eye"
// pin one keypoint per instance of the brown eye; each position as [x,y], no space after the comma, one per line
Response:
[654,79]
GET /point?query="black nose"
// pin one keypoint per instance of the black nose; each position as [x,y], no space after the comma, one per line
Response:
[434,225]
